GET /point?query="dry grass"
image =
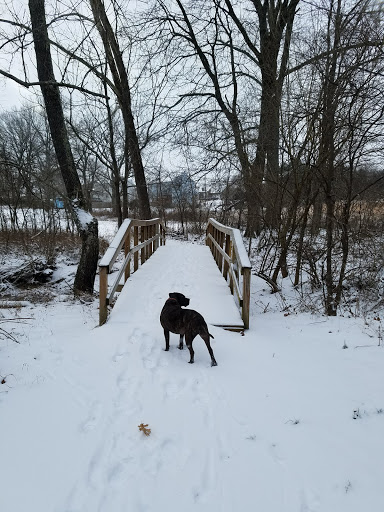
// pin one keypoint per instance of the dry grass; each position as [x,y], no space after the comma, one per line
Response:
[24,249]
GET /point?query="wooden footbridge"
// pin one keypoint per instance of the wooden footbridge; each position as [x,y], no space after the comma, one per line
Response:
[217,274]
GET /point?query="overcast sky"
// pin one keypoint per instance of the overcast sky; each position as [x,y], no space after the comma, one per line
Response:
[11,94]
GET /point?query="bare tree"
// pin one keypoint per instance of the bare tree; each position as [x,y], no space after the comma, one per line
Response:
[258,51]
[123,93]
[86,224]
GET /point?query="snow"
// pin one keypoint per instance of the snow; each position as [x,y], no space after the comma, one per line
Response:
[238,241]
[185,268]
[84,217]
[115,244]
[288,421]
[243,256]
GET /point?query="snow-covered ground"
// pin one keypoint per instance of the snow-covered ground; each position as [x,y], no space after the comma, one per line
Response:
[291,419]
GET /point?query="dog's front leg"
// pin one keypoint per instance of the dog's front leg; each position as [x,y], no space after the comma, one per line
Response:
[181,344]
[188,342]
[166,336]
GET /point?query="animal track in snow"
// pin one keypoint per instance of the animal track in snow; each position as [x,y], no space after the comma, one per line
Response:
[274,451]
[173,388]
[93,417]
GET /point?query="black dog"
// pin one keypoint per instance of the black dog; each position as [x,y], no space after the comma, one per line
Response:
[184,322]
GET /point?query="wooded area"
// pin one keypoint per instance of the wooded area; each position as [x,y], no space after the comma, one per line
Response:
[265,114]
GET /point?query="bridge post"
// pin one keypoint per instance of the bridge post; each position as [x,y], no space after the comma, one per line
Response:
[142,239]
[228,252]
[162,235]
[135,242]
[127,247]
[221,243]
[157,233]
[246,296]
[103,291]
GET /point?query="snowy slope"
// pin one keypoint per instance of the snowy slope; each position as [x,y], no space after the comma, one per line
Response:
[288,422]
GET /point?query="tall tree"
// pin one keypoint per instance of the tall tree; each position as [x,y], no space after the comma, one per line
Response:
[258,50]
[85,223]
[123,92]
[275,25]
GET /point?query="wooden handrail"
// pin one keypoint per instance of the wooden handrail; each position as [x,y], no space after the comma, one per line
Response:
[152,235]
[232,259]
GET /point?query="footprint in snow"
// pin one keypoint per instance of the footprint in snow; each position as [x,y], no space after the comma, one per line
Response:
[123,380]
[274,452]
[93,417]
[116,358]
[118,472]
[172,389]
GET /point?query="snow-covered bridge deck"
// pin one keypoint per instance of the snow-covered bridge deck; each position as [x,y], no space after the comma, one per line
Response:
[210,275]
[178,267]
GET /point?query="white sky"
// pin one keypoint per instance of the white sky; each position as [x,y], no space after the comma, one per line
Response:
[11,94]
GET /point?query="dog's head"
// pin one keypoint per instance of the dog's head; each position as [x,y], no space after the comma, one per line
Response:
[181,299]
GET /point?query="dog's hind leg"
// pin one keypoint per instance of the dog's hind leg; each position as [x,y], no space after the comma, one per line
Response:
[166,336]
[205,337]
[181,344]
[188,342]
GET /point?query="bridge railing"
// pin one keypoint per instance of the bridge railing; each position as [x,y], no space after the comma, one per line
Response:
[140,239]
[228,250]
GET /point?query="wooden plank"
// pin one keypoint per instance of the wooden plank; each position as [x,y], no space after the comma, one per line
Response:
[135,243]
[219,249]
[227,250]
[115,246]
[119,276]
[103,290]
[246,296]
[148,222]
[143,245]
[127,247]
[233,328]
[225,229]
[142,239]
[237,240]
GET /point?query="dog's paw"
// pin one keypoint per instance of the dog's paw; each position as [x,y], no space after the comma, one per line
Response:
[191,362]
[213,363]
[180,347]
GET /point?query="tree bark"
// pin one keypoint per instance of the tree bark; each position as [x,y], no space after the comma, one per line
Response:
[85,223]
[327,151]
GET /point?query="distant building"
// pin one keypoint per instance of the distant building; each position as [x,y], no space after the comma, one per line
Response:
[160,193]
[59,203]
[183,188]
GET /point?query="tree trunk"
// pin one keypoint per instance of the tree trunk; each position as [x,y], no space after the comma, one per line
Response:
[123,94]
[327,151]
[85,223]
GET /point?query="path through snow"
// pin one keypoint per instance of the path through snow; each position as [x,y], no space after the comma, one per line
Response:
[270,429]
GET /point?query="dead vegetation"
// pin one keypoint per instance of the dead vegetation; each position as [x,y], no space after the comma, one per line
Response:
[28,261]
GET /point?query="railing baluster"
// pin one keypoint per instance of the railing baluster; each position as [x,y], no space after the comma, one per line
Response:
[246,296]
[142,238]
[103,290]
[127,248]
